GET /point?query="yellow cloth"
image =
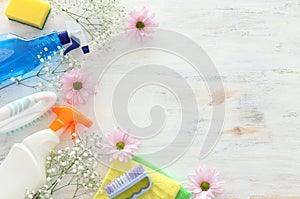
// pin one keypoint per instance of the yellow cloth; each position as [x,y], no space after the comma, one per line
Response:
[162,186]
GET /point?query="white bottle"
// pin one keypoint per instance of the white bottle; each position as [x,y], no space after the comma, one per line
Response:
[24,168]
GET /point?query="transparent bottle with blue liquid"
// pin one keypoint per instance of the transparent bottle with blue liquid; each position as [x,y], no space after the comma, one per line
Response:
[19,56]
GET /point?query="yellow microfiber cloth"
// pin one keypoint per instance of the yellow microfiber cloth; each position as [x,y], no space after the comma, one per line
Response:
[182,194]
[162,186]
[30,12]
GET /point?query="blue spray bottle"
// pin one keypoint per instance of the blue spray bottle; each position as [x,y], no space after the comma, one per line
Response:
[19,56]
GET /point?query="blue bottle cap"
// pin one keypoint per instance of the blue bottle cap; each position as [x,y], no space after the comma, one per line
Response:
[85,49]
[64,37]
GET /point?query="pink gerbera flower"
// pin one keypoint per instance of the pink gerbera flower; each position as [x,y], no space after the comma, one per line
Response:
[77,86]
[142,21]
[120,145]
[204,184]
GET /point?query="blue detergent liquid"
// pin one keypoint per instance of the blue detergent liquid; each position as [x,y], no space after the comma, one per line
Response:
[19,56]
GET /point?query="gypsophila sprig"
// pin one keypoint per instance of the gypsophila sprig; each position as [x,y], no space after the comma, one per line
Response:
[101,19]
[95,143]
[69,168]
[50,73]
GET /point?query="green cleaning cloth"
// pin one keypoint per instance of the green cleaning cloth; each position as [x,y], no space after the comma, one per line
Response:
[182,194]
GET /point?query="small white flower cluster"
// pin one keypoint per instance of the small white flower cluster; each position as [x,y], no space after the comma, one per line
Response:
[94,142]
[70,167]
[101,19]
[50,72]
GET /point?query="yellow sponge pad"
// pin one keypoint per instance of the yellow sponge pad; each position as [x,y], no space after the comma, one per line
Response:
[31,12]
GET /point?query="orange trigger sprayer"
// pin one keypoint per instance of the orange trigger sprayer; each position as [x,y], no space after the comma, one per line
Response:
[31,154]
[68,117]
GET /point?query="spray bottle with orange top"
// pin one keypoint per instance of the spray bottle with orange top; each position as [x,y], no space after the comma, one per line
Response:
[25,165]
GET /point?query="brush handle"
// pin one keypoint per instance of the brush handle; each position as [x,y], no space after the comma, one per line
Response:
[14,109]
[142,191]
[128,184]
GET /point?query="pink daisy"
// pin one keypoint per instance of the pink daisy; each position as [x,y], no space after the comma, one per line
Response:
[142,21]
[120,145]
[204,184]
[77,86]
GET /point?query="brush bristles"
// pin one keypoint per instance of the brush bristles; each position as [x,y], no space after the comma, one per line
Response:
[41,117]
[124,179]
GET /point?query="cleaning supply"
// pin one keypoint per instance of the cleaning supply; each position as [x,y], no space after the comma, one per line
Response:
[182,193]
[162,186]
[19,56]
[24,168]
[124,183]
[68,117]
[25,111]
[31,12]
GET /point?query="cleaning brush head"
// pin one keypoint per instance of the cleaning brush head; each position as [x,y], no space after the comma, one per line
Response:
[127,181]
[26,111]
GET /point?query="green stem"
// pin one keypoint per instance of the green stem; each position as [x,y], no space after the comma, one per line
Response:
[74,195]
[71,13]
[58,65]
[68,184]
[84,193]
[28,86]
[76,19]
[41,77]
[55,183]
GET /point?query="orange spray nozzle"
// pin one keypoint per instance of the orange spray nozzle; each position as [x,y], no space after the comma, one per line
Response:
[68,117]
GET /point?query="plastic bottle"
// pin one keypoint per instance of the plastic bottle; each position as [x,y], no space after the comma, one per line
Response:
[19,56]
[24,168]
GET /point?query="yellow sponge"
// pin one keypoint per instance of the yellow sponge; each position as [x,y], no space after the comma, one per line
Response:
[30,12]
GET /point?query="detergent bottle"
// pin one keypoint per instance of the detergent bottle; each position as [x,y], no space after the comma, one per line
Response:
[19,56]
[24,168]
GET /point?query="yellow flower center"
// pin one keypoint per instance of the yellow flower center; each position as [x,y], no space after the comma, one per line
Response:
[140,25]
[204,186]
[120,145]
[77,86]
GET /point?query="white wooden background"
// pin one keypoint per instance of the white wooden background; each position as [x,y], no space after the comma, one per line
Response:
[255,44]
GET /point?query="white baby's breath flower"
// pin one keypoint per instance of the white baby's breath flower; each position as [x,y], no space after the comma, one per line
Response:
[63,167]
[100,18]
[77,140]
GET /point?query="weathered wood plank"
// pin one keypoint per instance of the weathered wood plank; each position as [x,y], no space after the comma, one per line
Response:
[255,45]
